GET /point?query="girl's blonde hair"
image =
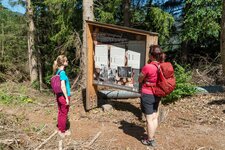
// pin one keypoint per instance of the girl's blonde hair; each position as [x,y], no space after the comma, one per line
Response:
[58,62]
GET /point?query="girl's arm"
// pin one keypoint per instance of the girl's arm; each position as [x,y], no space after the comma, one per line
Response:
[63,87]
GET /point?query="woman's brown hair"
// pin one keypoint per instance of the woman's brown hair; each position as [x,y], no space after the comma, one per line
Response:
[156,52]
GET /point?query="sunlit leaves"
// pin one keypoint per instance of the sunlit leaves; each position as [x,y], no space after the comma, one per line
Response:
[161,22]
[202,19]
[108,11]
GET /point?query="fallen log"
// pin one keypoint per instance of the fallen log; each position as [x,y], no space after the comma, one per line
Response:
[94,139]
[45,141]
[9,141]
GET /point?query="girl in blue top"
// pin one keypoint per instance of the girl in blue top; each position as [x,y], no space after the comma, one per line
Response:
[63,99]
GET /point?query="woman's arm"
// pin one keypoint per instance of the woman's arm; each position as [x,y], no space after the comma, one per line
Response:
[63,87]
[141,78]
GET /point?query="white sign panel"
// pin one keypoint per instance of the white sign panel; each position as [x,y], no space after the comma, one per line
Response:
[133,59]
[101,55]
[117,57]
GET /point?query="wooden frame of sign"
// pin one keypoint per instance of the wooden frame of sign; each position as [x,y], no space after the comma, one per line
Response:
[109,30]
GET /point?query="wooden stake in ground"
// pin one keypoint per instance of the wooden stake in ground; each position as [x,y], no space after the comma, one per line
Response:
[60,144]
[93,140]
[45,141]
[75,81]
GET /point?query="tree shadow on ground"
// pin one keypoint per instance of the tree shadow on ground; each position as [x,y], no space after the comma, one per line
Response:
[217,102]
[132,129]
[127,106]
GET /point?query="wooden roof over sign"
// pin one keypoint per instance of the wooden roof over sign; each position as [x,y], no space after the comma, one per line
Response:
[122,28]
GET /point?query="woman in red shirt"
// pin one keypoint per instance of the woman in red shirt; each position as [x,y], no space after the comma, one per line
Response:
[149,102]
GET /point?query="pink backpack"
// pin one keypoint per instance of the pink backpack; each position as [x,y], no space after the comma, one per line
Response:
[56,83]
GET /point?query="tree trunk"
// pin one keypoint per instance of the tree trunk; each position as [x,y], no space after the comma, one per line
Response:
[87,15]
[184,52]
[222,38]
[126,13]
[31,48]
[3,40]
[184,45]
[40,70]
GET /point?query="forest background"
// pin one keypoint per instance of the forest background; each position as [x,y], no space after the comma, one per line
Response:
[190,33]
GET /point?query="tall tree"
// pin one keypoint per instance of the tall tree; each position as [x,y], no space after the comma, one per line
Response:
[222,38]
[31,47]
[2,28]
[126,13]
[88,14]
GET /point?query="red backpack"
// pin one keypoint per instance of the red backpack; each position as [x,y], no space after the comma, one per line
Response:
[166,81]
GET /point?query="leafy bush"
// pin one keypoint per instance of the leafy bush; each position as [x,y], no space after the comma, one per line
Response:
[47,80]
[14,93]
[6,98]
[36,84]
[184,87]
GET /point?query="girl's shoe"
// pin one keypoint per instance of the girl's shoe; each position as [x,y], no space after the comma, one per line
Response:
[148,142]
[62,135]
[68,132]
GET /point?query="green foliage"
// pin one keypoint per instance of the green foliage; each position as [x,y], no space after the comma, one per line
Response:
[152,19]
[13,45]
[202,19]
[38,128]
[7,98]
[58,25]
[13,36]
[13,93]
[159,21]
[138,16]
[108,11]
[36,85]
[47,80]
[64,18]
[184,87]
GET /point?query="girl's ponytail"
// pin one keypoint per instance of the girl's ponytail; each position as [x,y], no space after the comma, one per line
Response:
[55,66]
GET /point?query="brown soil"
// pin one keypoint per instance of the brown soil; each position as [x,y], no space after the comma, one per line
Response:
[193,123]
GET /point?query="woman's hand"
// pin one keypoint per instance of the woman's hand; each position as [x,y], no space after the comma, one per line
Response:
[141,78]
[67,101]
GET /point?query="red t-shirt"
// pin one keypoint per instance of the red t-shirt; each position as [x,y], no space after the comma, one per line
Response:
[150,73]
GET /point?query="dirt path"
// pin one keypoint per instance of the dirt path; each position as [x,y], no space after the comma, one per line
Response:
[194,123]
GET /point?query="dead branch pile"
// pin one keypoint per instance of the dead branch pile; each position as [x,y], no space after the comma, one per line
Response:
[17,133]
[207,109]
[207,71]
[12,137]
[12,72]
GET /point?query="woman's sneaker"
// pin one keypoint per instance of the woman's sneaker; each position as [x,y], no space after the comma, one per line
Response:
[148,142]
